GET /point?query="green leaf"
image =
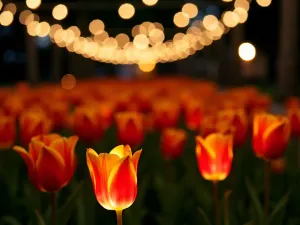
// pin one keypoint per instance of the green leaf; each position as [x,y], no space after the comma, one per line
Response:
[65,212]
[203,215]
[39,218]
[255,200]
[279,208]
[8,220]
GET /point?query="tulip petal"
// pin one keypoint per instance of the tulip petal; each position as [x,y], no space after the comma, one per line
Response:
[203,146]
[135,159]
[26,157]
[122,184]
[93,165]
[121,151]
[59,146]
[35,147]
[50,169]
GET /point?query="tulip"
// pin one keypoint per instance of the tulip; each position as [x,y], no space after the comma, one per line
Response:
[87,123]
[193,115]
[270,135]
[130,129]
[50,161]
[214,155]
[212,124]
[33,122]
[166,114]
[294,119]
[58,112]
[292,102]
[172,142]
[7,131]
[114,177]
[238,120]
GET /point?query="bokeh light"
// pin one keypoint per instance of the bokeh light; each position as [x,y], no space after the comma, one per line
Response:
[150,2]
[126,11]
[146,66]
[181,19]
[60,12]
[264,3]
[190,9]
[68,81]
[6,18]
[33,4]
[96,27]
[247,51]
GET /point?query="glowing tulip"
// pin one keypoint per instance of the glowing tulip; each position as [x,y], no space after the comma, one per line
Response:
[7,131]
[50,161]
[270,135]
[130,128]
[87,123]
[214,155]
[294,119]
[172,142]
[33,122]
[114,177]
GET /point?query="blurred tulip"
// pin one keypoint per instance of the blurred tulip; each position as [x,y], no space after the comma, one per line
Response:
[166,113]
[88,123]
[270,135]
[193,114]
[212,124]
[106,110]
[237,118]
[57,111]
[114,176]
[7,131]
[214,155]
[13,105]
[51,161]
[130,128]
[33,122]
[292,102]
[172,142]
[294,119]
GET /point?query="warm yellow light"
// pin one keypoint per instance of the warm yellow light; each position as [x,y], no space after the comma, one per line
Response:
[210,22]
[68,82]
[53,29]
[242,4]
[146,66]
[242,14]
[126,11]
[122,39]
[150,2]
[181,19]
[60,12]
[247,51]
[227,0]
[96,27]
[6,18]
[75,30]
[33,4]
[141,41]
[190,9]
[23,16]
[230,19]
[31,28]
[43,29]
[1,5]
[264,3]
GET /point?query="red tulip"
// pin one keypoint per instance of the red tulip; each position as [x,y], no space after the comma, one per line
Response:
[7,131]
[50,161]
[294,119]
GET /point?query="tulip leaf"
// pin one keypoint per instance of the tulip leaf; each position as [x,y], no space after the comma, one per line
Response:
[203,215]
[249,223]
[255,200]
[40,220]
[279,208]
[65,212]
[8,220]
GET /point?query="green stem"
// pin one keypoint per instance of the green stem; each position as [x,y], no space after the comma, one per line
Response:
[119,217]
[216,198]
[53,206]
[267,188]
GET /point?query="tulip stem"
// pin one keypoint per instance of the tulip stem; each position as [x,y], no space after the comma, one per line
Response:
[216,198]
[267,188]
[53,206]
[119,217]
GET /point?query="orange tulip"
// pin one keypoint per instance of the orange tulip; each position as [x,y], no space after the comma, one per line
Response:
[7,131]
[294,119]
[270,135]
[166,113]
[214,155]
[87,123]
[237,118]
[292,102]
[50,161]
[130,129]
[172,142]
[33,122]
[114,176]
[212,125]
[57,111]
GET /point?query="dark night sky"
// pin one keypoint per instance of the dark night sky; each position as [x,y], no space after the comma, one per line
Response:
[262,29]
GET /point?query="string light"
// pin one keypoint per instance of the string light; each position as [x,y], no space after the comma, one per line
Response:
[247,51]
[68,81]
[60,12]
[150,2]
[264,3]
[190,9]
[33,4]
[126,11]
[181,19]
[6,18]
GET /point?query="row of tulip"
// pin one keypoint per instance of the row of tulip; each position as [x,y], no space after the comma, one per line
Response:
[221,122]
